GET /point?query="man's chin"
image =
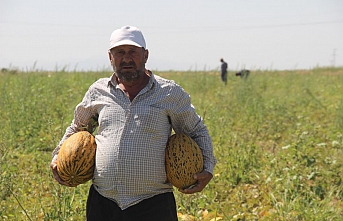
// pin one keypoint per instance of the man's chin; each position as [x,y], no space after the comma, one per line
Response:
[128,77]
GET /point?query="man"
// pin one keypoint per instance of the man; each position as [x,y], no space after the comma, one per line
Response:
[136,111]
[223,70]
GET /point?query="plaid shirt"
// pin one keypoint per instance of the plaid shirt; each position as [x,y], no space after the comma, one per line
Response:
[132,136]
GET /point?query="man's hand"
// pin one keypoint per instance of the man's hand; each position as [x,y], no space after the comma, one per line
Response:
[53,166]
[203,179]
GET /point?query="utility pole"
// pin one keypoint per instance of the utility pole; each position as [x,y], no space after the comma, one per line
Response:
[334,57]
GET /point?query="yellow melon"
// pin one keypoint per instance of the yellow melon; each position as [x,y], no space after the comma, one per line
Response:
[76,158]
[183,160]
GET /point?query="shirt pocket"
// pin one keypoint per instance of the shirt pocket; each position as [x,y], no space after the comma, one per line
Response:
[153,122]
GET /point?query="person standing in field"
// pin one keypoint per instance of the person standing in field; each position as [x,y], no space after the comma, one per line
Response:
[223,68]
[136,112]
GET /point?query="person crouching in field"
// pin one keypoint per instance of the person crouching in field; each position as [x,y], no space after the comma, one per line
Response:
[243,73]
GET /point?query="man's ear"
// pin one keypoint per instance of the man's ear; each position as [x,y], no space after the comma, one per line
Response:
[146,55]
[110,55]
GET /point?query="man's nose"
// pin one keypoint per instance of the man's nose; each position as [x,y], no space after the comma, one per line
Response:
[127,57]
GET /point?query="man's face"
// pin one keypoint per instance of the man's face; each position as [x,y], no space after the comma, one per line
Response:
[128,62]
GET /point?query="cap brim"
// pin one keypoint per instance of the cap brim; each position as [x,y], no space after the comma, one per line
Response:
[125,42]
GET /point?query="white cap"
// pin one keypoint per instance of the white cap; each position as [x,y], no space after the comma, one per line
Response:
[127,35]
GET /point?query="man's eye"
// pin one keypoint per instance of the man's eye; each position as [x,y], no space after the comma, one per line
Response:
[119,53]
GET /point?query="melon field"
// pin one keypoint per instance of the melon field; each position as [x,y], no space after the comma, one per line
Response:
[277,136]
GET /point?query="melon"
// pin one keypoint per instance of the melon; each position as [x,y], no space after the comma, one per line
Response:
[183,160]
[76,158]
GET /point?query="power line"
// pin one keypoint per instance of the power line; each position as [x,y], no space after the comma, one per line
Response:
[290,25]
[49,24]
[188,29]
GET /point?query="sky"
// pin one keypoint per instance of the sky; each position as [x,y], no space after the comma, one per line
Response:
[181,35]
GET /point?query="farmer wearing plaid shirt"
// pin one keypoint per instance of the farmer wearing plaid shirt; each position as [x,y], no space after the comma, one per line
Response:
[136,112]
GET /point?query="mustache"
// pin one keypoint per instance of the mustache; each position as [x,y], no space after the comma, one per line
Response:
[127,64]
